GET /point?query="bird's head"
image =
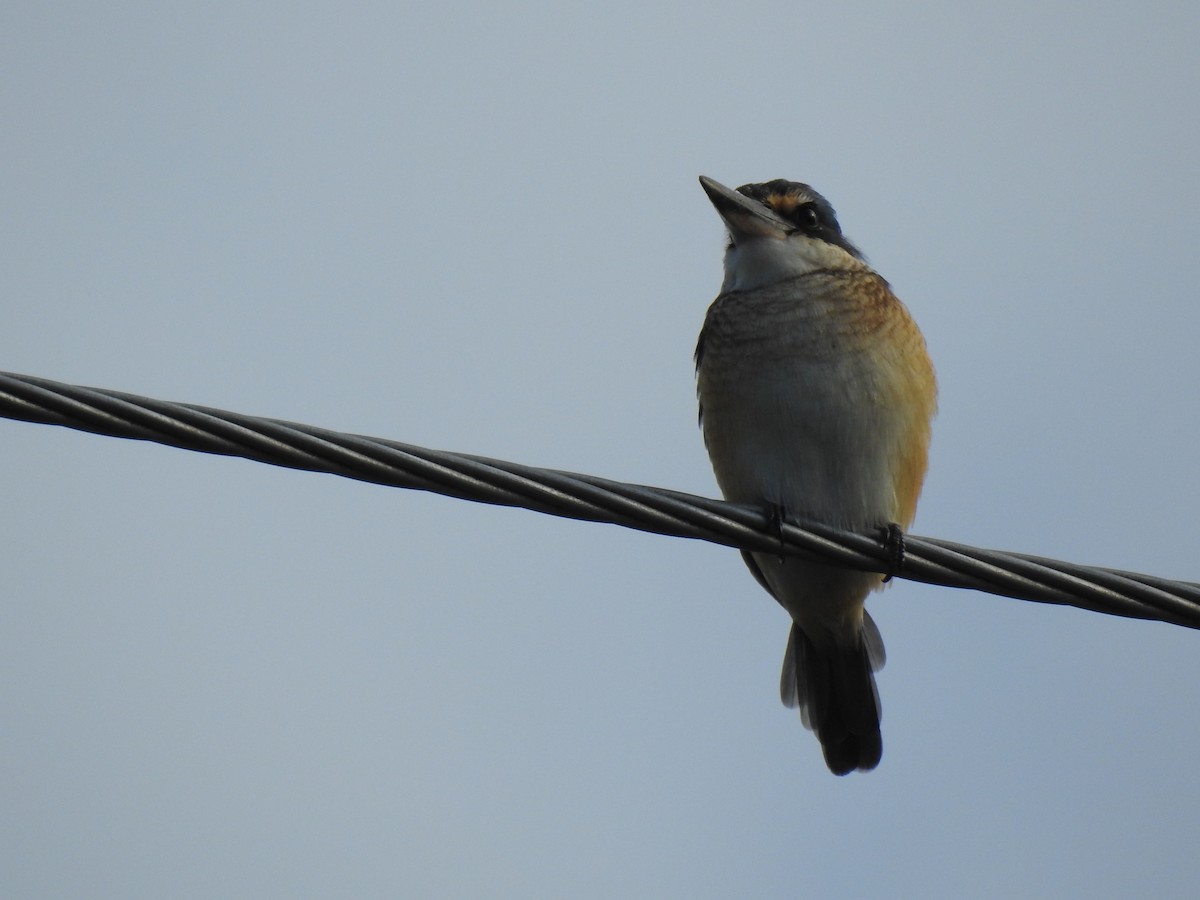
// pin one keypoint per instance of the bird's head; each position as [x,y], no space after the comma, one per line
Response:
[778,230]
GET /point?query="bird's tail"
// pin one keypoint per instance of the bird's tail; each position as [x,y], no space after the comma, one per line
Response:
[835,690]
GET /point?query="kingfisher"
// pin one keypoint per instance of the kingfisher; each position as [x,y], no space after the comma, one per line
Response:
[816,397]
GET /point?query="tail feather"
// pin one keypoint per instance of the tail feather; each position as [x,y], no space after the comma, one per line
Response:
[835,690]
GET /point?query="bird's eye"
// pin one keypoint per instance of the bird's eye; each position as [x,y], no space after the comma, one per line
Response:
[807,217]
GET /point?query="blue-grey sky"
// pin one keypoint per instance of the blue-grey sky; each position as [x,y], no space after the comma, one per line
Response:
[478,228]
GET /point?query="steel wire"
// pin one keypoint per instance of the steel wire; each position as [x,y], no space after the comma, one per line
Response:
[590,498]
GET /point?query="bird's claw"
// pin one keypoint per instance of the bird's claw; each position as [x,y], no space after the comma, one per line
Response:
[893,545]
[776,516]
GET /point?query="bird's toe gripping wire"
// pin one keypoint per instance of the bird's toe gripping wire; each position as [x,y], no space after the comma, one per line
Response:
[776,516]
[893,545]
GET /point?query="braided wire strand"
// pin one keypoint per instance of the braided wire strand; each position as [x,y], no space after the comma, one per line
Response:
[589,498]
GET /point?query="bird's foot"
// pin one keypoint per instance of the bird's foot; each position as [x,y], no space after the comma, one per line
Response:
[893,545]
[776,516]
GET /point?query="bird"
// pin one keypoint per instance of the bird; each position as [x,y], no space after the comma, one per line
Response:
[816,395]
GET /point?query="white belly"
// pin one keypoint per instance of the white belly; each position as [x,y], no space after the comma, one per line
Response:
[805,436]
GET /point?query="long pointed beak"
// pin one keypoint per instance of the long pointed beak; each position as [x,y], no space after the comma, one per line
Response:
[745,218]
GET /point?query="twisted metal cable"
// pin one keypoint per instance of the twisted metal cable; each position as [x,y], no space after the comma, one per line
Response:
[589,498]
